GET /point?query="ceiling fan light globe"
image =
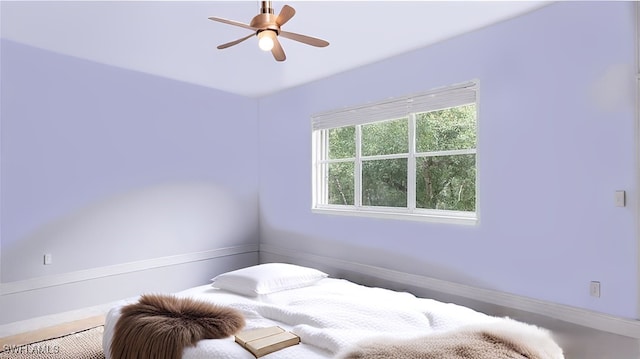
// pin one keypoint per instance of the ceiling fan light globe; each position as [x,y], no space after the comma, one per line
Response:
[266,40]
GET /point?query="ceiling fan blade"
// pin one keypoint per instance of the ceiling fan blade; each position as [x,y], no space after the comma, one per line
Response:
[232,22]
[229,44]
[304,39]
[277,51]
[285,15]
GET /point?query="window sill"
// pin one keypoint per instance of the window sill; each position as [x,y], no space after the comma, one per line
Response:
[452,217]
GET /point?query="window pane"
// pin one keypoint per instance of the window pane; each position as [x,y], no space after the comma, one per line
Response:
[384,183]
[384,138]
[446,182]
[449,129]
[341,183]
[342,142]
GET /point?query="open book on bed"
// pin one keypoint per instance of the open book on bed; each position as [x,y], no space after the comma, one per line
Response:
[263,341]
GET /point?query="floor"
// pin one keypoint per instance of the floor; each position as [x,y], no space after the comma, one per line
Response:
[52,331]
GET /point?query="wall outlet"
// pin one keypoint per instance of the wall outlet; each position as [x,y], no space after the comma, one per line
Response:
[48,259]
[594,289]
[620,198]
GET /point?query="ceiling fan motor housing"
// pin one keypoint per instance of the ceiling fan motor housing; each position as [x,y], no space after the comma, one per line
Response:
[265,22]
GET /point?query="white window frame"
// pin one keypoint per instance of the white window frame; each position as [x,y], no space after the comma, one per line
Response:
[404,107]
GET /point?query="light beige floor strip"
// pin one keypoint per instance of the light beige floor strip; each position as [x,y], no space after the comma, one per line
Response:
[52,332]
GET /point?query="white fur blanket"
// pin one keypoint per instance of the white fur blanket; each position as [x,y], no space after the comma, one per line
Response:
[505,339]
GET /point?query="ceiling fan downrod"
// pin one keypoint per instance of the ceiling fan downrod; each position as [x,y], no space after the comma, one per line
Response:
[266,19]
[266,7]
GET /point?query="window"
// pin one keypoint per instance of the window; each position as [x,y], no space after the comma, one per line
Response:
[411,157]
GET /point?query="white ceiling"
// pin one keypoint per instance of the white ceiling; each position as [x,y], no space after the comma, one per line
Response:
[175,39]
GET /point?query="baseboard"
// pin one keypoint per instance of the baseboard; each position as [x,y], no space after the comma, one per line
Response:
[119,269]
[600,321]
[9,331]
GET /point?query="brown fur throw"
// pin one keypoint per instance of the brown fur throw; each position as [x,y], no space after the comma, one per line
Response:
[161,326]
[506,339]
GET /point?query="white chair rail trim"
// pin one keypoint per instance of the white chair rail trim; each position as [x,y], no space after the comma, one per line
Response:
[123,268]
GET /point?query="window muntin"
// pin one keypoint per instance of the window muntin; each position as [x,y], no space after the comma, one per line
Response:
[421,164]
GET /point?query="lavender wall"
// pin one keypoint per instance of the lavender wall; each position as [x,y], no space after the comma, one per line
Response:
[102,166]
[556,139]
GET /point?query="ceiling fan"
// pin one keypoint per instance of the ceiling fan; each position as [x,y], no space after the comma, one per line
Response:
[267,26]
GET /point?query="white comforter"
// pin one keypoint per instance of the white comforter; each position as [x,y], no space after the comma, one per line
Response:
[328,317]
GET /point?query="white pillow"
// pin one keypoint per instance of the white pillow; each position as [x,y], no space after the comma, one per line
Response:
[267,278]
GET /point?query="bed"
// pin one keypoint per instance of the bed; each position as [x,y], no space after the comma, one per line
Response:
[336,318]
